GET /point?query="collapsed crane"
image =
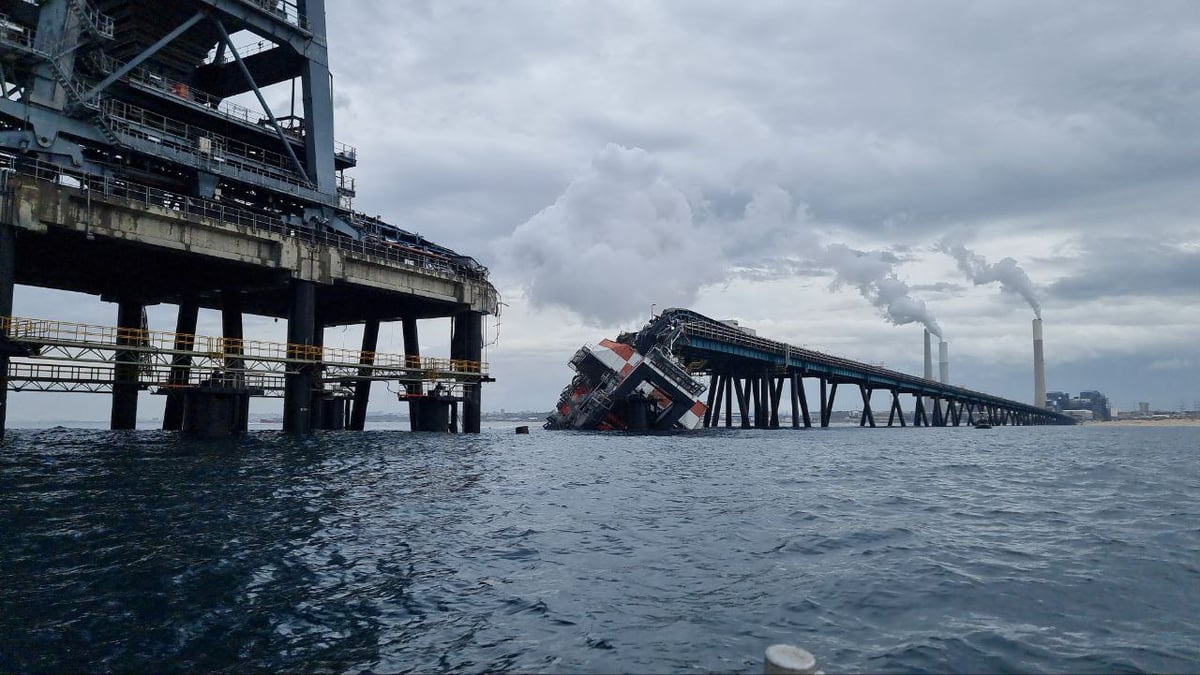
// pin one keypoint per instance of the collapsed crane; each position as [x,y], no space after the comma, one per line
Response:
[633,383]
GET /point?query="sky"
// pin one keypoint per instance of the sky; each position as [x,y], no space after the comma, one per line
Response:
[835,175]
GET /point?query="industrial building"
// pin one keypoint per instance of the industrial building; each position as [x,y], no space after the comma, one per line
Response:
[1092,402]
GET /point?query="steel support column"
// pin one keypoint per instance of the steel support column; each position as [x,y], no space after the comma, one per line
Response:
[752,394]
[470,344]
[937,412]
[718,400]
[316,406]
[8,264]
[712,395]
[728,401]
[896,408]
[867,415]
[181,364]
[776,398]
[793,379]
[919,419]
[125,371]
[297,394]
[412,359]
[232,336]
[824,401]
[743,408]
[803,401]
[362,388]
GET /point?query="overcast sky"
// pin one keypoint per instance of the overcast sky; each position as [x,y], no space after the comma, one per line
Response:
[808,168]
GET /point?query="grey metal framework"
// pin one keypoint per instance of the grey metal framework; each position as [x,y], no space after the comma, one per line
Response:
[140,92]
[119,107]
[751,371]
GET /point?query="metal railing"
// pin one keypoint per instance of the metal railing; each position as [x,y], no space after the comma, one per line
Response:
[284,9]
[193,207]
[144,77]
[42,332]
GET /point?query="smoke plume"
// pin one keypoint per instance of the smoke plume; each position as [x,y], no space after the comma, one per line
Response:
[873,274]
[1011,277]
[625,234]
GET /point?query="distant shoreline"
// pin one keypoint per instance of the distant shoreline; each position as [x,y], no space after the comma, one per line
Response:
[1150,423]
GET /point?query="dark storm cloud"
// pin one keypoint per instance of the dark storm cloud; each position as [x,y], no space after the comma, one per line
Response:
[1132,266]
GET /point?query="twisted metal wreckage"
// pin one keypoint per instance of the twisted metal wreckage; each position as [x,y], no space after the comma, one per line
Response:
[633,383]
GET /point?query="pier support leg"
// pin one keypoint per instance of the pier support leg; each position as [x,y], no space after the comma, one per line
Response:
[776,398]
[919,418]
[867,416]
[752,394]
[896,409]
[412,359]
[743,408]
[713,381]
[728,401]
[795,384]
[468,333]
[824,402]
[297,393]
[181,363]
[125,370]
[803,402]
[320,405]
[8,263]
[362,388]
[232,336]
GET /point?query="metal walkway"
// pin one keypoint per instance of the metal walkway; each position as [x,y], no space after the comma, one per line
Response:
[74,357]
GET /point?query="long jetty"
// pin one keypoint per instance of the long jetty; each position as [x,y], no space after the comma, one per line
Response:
[749,371]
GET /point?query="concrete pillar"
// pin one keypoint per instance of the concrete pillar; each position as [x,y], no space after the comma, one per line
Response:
[185,338]
[8,263]
[362,388]
[125,370]
[233,334]
[412,358]
[728,401]
[297,395]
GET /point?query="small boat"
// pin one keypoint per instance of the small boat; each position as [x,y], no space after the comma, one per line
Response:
[982,424]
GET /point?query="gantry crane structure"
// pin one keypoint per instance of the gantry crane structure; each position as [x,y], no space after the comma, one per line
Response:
[164,100]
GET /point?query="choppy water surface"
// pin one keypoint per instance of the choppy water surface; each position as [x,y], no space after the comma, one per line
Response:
[915,550]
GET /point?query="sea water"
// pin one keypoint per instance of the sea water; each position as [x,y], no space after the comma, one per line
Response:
[1016,549]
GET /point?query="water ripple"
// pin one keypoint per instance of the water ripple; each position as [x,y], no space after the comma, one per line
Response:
[908,550]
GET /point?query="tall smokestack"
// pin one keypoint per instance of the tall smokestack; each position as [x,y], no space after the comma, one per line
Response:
[1039,366]
[928,357]
[944,362]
